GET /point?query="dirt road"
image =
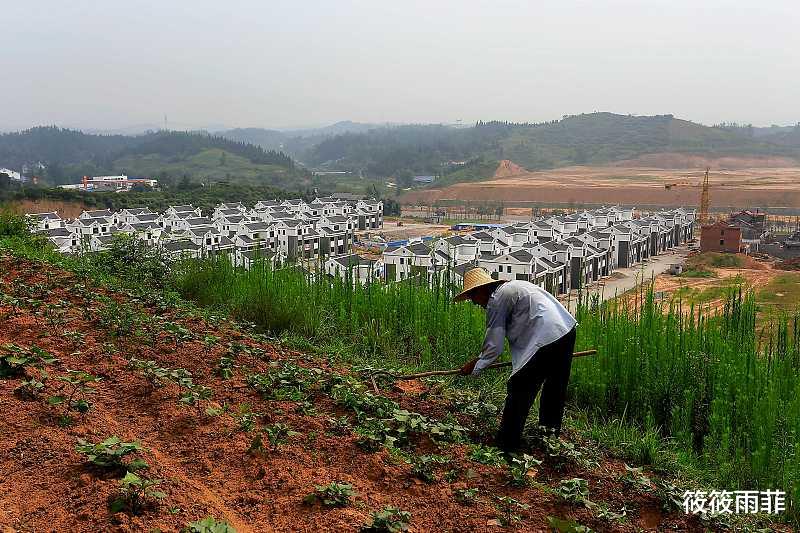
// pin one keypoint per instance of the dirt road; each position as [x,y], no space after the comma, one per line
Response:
[625,279]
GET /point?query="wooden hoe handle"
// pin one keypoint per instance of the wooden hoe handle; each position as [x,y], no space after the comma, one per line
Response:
[458,370]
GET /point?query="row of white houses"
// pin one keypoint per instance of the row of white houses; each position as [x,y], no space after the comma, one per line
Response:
[283,230]
[558,253]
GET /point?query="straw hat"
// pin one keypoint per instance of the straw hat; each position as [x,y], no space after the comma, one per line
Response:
[474,278]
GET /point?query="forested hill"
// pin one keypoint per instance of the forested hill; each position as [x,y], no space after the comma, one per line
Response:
[69,154]
[594,138]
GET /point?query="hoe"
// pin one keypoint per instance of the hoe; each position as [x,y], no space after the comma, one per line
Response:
[456,370]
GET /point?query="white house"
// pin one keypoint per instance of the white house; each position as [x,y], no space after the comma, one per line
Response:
[406,261]
[44,221]
[353,268]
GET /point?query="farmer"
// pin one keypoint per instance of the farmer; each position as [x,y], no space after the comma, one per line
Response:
[541,334]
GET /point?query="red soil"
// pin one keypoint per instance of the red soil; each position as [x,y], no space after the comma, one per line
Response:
[47,486]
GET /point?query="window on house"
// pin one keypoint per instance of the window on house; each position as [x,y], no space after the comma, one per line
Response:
[722,242]
[508,269]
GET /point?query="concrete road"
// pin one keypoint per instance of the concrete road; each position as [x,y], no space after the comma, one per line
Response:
[624,279]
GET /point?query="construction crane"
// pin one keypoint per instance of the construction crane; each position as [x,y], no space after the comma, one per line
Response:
[704,200]
[704,194]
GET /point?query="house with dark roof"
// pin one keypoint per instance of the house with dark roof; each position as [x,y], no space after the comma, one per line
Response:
[64,240]
[97,213]
[248,258]
[44,221]
[175,209]
[457,249]
[517,265]
[353,268]
[404,262]
[183,248]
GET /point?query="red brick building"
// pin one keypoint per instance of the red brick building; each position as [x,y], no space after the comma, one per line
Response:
[721,237]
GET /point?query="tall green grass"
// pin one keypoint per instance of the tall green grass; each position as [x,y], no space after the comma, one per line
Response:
[401,325]
[721,393]
[713,384]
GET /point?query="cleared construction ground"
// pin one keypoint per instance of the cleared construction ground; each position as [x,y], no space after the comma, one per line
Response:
[667,180]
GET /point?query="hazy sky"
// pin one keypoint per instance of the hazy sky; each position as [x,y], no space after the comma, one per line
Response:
[112,64]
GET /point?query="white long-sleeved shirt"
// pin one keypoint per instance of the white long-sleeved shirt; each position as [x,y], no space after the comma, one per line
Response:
[529,316]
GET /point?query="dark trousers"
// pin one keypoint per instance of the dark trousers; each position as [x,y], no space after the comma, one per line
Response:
[549,370]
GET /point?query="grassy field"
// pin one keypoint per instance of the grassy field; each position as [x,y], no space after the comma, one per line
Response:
[783,292]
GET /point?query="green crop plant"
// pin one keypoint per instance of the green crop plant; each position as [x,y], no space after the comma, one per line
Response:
[110,453]
[246,419]
[256,445]
[278,435]
[32,388]
[120,319]
[509,510]
[563,453]
[14,359]
[225,367]
[56,315]
[333,494]
[671,496]
[424,466]
[209,342]
[77,384]
[467,496]
[575,490]
[74,338]
[178,332]
[372,434]
[11,302]
[566,525]
[285,381]
[155,375]
[339,425]
[487,455]
[208,525]
[195,395]
[389,520]
[604,512]
[635,479]
[521,469]
[136,493]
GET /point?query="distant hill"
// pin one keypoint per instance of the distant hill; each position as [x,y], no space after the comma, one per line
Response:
[69,154]
[454,154]
[595,138]
[295,142]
